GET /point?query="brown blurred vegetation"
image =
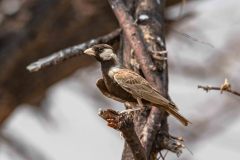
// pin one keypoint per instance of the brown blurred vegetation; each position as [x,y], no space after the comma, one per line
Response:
[35,31]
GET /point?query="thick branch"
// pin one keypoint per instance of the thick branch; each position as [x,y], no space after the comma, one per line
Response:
[134,37]
[124,123]
[140,44]
[150,18]
[73,51]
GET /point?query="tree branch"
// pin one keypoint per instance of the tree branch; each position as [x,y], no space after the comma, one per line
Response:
[133,35]
[150,18]
[124,123]
[226,86]
[149,37]
[171,143]
[208,88]
[71,52]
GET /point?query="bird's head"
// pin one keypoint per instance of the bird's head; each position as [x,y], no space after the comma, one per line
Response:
[102,52]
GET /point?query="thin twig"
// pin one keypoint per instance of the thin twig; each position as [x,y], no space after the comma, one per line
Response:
[73,51]
[193,38]
[226,86]
[161,155]
[124,123]
[165,155]
[208,88]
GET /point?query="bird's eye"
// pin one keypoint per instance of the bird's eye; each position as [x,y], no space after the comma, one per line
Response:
[100,50]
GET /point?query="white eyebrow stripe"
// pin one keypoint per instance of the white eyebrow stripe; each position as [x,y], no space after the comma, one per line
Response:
[108,54]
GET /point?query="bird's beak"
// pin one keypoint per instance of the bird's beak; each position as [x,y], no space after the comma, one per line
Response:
[89,52]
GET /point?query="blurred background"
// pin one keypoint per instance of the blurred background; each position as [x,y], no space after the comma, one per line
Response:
[52,114]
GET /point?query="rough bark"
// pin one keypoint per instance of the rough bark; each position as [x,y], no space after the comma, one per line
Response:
[124,123]
[146,38]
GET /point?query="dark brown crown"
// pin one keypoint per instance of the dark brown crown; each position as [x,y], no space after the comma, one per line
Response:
[100,47]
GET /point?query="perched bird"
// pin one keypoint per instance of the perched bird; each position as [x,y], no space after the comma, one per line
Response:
[125,85]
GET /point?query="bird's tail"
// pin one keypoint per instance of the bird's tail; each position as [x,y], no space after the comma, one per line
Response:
[177,115]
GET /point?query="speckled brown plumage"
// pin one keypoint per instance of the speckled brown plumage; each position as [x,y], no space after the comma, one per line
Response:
[125,85]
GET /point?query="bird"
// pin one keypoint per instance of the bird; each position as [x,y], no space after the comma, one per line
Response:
[125,85]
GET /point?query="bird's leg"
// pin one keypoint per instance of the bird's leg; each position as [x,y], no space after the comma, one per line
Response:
[141,106]
[140,103]
[130,110]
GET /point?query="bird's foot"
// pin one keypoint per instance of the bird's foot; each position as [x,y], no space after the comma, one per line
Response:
[131,110]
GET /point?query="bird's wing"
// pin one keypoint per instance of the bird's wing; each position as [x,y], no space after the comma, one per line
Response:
[139,87]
